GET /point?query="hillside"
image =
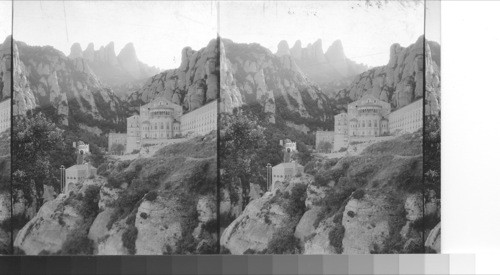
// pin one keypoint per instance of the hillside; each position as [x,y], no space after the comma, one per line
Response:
[115,71]
[5,205]
[5,69]
[370,203]
[192,85]
[321,67]
[164,204]
[401,81]
[251,73]
[65,87]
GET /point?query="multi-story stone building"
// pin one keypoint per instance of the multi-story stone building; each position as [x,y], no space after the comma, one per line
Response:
[200,121]
[5,115]
[116,138]
[369,118]
[407,119]
[324,136]
[341,139]
[78,173]
[285,171]
[160,121]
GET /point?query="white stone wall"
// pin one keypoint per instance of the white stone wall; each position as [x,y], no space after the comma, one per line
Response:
[407,119]
[5,117]
[200,121]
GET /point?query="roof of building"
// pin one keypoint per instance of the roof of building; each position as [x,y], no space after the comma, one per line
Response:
[80,167]
[288,165]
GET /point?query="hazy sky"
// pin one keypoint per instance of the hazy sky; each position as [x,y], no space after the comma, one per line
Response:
[5,19]
[158,29]
[366,32]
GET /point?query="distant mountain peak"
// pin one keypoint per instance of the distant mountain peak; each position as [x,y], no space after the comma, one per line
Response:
[128,54]
[76,51]
[335,52]
[283,48]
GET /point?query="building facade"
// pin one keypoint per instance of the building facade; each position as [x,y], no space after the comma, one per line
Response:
[325,136]
[407,119]
[285,171]
[5,117]
[200,121]
[78,173]
[370,117]
[366,117]
[160,121]
[116,138]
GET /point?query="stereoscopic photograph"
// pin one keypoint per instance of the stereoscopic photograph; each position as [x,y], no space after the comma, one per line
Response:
[322,142]
[114,134]
[220,127]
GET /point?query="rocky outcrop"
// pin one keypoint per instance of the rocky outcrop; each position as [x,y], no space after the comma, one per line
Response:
[433,241]
[45,78]
[322,68]
[401,81]
[192,85]
[115,71]
[5,69]
[56,221]
[256,76]
[255,227]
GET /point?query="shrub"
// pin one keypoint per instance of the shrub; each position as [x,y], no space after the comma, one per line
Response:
[336,236]
[144,215]
[249,252]
[284,242]
[211,226]
[151,196]
[350,213]
[358,194]
[77,243]
[295,206]
[129,237]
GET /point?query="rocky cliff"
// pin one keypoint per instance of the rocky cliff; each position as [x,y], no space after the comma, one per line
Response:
[163,204]
[401,81]
[114,70]
[46,79]
[365,204]
[5,69]
[322,67]
[251,74]
[192,85]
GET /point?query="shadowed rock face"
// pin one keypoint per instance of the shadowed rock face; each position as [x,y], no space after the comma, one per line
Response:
[252,74]
[5,69]
[400,82]
[192,85]
[114,71]
[321,67]
[45,78]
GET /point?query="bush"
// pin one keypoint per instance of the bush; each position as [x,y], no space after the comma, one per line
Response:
[211,226]
[284,242]
[144,215]
[295,206]
[129,237]
[358,194]
[336,236]
[151,196]
[77,243]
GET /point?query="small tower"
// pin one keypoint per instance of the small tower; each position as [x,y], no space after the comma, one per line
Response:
[287,155]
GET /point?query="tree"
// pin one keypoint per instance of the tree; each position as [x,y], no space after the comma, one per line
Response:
[325,147]
[240,140]
[117,149]
[36,143]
